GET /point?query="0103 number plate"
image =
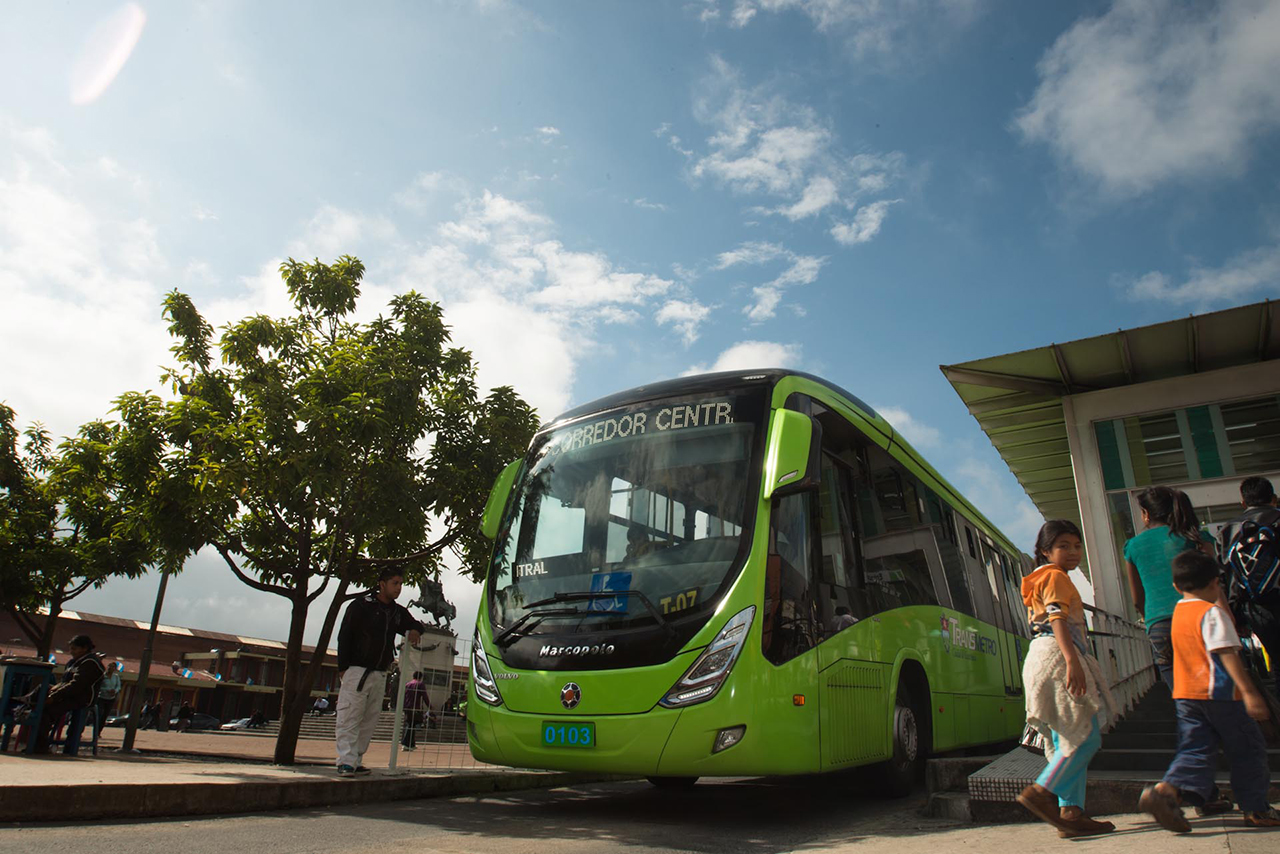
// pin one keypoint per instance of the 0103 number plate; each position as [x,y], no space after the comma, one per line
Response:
[568,734]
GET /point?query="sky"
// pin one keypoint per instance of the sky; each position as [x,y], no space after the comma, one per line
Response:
[603,194]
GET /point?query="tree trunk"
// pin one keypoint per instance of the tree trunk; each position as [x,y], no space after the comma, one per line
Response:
[312,673]
[45,644]
[29,626]
[295,711]
[291,710]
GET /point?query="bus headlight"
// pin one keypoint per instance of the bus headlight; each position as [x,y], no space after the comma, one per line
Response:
[709,670]
[482,675]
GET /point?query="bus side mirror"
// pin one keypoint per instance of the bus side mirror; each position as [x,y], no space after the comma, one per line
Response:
[793,460]
[497,502]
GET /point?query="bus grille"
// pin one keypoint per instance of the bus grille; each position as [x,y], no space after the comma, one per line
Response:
[853,713]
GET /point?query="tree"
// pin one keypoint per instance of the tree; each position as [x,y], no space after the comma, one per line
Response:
[64,522]
[319,450]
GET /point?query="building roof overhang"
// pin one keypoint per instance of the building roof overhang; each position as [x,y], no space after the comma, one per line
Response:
[1017,398]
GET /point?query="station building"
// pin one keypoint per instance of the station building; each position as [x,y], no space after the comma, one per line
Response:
[1085,426]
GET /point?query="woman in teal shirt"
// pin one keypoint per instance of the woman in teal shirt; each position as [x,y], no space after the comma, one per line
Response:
[1171,528]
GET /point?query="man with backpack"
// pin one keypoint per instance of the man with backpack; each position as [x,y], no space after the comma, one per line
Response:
[1250,549]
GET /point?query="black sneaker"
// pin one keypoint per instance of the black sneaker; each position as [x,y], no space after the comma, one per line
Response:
[361,770]
[346,771]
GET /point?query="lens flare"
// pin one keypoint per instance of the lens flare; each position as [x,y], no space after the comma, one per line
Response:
[105,52]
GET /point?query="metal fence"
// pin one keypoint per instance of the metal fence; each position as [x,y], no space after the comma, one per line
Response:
[434,738]
[1124,653]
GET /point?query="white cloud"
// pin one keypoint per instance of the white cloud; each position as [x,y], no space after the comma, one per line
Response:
[1238,279]
[523,302]
[999,497]
[801,270]
[645,204]
[753,354]
[820,193]
[755,252]
[1153,90]
[868,27]
[78,283]
[685,315]
[549,131]
[918,433]
[335,231]
[866,223]
[426,188]
[761,144]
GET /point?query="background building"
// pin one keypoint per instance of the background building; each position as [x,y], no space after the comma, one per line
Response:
[219,674]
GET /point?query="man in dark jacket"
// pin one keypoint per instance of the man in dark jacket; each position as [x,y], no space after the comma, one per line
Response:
[76,690]
[366,648]
[1262,614]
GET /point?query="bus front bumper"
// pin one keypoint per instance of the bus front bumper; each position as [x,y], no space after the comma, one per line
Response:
[624,744]
[659,742]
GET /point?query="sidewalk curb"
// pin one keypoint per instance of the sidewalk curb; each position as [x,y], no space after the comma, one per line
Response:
[62,803]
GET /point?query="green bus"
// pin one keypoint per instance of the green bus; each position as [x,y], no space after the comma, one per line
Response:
[743,573]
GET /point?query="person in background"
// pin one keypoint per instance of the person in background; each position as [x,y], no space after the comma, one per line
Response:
[1251,555]
[1170,528]
[108,690]
[1218,705]
[76,690]
[1068,700]
[257,720]
[185,715]
[366,647]
[417,705]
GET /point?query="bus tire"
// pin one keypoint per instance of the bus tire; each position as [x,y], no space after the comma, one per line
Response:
[904,770]
[673,782]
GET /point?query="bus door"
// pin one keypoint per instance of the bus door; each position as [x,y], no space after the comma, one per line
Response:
[790,630]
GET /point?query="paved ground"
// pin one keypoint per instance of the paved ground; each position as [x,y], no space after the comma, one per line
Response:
[309,750]
[752,816]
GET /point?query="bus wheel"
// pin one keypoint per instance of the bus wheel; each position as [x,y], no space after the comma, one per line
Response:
[673,782]
[904,769]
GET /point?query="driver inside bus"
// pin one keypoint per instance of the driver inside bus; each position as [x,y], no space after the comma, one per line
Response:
[638,544]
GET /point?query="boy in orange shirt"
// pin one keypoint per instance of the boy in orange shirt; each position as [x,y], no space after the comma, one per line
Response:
[1217,704]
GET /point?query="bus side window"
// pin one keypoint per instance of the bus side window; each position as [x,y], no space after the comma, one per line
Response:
[896,570]
[788,606]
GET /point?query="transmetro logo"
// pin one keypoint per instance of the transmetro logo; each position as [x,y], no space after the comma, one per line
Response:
[570,695]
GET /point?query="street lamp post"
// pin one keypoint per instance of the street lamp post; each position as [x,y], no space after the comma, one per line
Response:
[144,668]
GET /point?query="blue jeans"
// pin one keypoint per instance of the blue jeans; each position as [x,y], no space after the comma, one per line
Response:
[1067,776]
[1202,726]
[1162,649]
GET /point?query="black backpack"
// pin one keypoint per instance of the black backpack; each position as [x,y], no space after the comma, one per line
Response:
[1254,558]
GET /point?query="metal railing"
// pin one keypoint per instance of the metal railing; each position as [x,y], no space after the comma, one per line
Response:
[439,734]
[1124,653]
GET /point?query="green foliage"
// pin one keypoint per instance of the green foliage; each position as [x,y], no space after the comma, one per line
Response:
[64,520]
[316,447]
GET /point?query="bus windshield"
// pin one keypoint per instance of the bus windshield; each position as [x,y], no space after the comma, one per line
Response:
[632,516]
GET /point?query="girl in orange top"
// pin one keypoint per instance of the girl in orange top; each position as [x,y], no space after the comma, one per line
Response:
[1064,688]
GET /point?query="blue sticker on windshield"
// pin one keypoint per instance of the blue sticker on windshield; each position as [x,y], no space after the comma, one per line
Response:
[606,582]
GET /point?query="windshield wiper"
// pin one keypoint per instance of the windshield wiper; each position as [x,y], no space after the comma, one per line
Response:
[541,615]
[594,595]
